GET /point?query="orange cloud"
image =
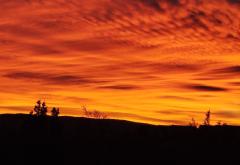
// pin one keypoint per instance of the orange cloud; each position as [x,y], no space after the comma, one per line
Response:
[131,59]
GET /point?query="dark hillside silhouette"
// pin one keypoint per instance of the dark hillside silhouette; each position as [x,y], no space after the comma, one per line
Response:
[69,140]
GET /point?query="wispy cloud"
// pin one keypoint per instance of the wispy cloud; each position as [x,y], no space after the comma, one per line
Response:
[200,87]
[121,87]
[176,98]
[52,78]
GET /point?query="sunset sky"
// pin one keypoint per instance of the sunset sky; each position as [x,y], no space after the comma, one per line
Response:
[152,61]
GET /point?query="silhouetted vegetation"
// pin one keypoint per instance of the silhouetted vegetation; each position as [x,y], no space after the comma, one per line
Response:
[220,123]
[193,123]
[206,121]
[55,112]
[93,114]
[41,110]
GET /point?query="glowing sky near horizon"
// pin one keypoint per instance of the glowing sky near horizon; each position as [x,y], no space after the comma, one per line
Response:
[152,61]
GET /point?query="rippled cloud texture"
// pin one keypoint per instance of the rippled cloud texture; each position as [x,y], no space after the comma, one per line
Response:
[153,61]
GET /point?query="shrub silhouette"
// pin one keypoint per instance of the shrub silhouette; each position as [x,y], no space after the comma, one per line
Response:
[193,123]
[94,114]
[55,112]
[220,123]
[40,109]
[99,115]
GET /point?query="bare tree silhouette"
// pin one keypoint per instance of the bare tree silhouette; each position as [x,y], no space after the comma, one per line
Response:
[99,115]
[94,114]
[85,111]
[55,112]
[206,121]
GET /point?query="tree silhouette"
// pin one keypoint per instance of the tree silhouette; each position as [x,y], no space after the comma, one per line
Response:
[43,109]
[207,118]
[55,112]
[40,109]
[85,111]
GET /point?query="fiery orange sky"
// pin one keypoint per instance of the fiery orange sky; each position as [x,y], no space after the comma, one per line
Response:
[153,61]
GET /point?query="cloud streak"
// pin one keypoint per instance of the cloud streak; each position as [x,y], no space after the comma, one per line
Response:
[51,78]
[200,87]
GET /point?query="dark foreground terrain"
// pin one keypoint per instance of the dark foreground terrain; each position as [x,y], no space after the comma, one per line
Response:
[68,140]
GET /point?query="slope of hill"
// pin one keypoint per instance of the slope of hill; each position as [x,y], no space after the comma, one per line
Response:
[70,140]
